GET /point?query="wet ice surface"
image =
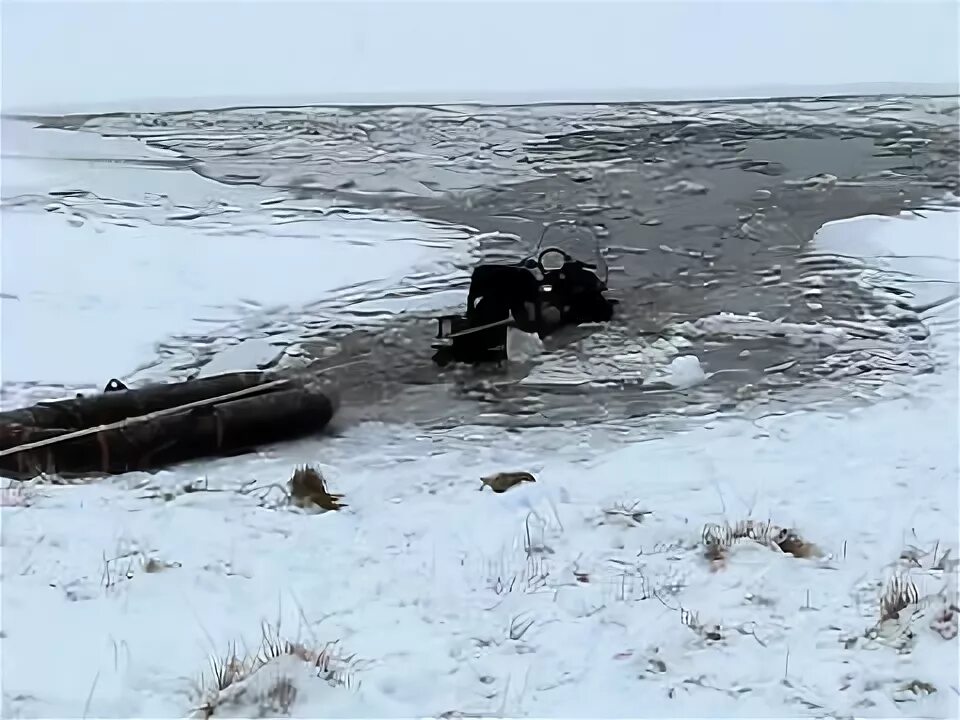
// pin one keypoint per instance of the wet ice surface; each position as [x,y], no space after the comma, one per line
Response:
[705,212]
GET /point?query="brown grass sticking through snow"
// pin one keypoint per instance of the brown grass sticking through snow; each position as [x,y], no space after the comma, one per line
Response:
[718,539]
[123,566]
[234,668]
[308,489]
[900,594]
[503,481]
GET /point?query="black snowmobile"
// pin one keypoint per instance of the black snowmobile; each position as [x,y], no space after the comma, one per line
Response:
[541,294]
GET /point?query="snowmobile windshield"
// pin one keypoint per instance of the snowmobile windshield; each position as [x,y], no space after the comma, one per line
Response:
[577,240]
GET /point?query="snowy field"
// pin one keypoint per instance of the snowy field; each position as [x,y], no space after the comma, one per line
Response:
[799,564]
[615,586]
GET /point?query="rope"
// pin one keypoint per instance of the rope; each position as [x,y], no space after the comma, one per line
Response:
[478,328]
[126,422]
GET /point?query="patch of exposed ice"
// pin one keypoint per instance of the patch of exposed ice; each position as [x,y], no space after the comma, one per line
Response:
[523,346]
[751,326]
[633,360]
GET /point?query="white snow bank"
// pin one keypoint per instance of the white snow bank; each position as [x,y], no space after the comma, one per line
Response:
[87,295]
[922,257]
[89,305]
[585,594]
[425,577]
[917,254]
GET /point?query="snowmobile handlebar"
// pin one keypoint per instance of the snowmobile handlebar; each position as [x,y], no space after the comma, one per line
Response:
[580,224]
[567,258]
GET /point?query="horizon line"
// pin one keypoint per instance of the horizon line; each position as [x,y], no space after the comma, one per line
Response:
[492,98]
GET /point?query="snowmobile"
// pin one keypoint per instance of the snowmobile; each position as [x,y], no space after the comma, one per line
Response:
[543,293]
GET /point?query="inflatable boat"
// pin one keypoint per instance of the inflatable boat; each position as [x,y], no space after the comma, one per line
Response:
[146,428]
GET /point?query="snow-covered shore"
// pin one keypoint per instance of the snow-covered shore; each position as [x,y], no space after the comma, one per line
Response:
[585,594]
[83,271]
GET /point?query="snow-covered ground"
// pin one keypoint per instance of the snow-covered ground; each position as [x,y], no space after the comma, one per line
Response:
[587,593]
[83,272]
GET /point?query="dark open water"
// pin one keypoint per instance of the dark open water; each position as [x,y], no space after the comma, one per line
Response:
[701,209]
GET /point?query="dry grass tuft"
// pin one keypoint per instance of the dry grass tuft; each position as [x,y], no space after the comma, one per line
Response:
[153,565]
[691,620]
[902,604]
[633,514]
[913,557]
[712,632]
[308,488]
[718,539]
[235,667]
[901,593]
[125,565]
[171,494]
[229,669]
[330,665]
[790,542]
[501,482]
[913,690]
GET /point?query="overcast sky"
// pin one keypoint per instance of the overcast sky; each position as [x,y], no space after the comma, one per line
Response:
[123,53]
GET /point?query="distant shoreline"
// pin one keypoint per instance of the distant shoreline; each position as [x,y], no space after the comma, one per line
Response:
[490,98]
